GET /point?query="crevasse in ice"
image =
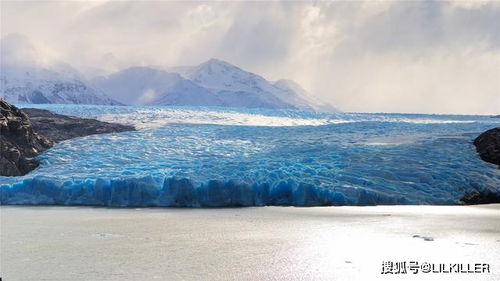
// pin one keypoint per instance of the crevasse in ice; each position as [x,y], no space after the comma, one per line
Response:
[212,157]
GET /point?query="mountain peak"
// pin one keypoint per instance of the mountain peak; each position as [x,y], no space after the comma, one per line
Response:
[215,65]
[217,61]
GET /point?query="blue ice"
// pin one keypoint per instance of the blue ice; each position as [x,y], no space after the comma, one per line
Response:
[215,157]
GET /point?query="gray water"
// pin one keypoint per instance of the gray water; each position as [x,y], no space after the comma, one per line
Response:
[267,243]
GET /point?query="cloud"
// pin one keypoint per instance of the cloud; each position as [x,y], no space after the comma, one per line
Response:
[397,56]
[17,49]
[147,96]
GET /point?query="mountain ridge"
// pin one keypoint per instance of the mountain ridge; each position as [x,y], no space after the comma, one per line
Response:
[212,83]
[26,78]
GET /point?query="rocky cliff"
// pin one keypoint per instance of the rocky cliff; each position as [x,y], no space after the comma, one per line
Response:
[19,143]
[488,145]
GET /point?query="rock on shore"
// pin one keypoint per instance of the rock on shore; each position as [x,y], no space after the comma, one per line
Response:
[19,143]
[488,145]
[59,127]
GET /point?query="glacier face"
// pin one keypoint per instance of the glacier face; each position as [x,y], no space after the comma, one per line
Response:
[212,157]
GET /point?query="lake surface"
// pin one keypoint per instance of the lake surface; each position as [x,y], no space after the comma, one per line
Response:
[256,243]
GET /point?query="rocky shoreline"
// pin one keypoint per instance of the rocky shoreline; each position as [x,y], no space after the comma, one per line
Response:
[25,133]
[57,127]
[488,146]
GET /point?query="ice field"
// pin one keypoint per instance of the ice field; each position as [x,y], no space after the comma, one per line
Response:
[213,157]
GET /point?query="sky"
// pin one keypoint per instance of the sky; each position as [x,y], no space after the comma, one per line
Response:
[373,56]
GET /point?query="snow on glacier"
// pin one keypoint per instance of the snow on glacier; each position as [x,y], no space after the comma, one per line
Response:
[210,157]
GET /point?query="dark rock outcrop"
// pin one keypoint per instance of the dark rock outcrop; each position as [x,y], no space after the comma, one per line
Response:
[488,146]
[59,127]
[26,133]
[19,143]
[480,197]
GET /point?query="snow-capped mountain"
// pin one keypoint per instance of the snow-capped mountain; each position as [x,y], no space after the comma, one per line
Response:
[39,85]
[149,86]
[222,76]
[212,83]
[227,80]
[25,80]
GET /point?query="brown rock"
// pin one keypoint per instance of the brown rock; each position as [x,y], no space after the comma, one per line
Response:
[19,143]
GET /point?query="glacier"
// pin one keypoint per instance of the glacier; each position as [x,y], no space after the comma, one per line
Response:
[219,157]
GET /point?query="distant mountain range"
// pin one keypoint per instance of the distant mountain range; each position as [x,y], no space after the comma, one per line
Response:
[40,85]
[212,83]
[24,79]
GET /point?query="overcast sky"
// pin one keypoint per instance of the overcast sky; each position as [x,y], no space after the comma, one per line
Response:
[400,56]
